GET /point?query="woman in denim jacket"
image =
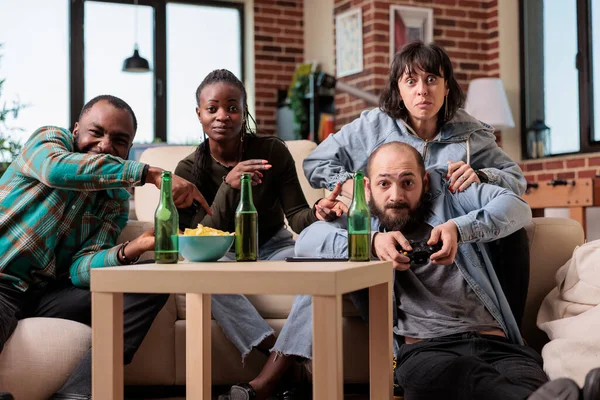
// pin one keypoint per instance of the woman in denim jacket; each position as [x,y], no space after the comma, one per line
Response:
[421,106]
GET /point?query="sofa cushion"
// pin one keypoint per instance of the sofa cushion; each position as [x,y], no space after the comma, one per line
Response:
[45,351]
[551,241]
[299,149]
[166,157]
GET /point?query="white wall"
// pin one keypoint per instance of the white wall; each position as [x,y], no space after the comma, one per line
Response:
[508,29]
[248,52]
[319,34]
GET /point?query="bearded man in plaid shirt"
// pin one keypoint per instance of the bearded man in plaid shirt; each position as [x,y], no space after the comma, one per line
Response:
[63,204]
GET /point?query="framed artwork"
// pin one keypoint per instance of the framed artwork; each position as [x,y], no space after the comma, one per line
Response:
[348,43]
[408,24]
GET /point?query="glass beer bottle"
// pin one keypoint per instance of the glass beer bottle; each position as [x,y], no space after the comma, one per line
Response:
[246,224]
[166,225]
[359,223]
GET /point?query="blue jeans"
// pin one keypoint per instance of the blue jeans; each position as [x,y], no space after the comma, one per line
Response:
[240,321]
[244,326]
[296,336]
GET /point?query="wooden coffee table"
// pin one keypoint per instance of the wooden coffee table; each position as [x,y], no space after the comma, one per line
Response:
[326,282]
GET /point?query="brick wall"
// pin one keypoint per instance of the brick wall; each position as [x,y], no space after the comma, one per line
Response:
[468,30]
[568,167]
[278,47]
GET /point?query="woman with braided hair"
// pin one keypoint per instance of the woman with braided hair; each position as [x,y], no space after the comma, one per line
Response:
[229,150]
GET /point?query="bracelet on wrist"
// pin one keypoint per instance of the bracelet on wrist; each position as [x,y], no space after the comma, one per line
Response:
[124,258]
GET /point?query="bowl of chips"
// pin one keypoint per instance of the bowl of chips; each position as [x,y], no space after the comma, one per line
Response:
[204,243]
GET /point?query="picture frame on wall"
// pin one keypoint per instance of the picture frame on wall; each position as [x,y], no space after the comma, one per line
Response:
[408,24]
[348,43]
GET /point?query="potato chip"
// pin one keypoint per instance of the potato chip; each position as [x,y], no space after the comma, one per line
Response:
[202,230]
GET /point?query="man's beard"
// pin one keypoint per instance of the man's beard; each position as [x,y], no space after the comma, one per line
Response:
[401,223]
[77,146]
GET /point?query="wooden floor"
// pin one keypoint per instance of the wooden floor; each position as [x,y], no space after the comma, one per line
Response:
[352,392]
[347,397]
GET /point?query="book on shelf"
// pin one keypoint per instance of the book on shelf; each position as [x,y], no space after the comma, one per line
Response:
[326,126]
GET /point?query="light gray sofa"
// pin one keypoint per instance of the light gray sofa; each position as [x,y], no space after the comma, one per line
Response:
[38,357]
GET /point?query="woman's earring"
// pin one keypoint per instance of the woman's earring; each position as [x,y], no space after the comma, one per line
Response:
[401,105]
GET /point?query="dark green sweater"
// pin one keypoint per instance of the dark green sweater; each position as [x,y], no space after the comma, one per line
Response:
[279,194]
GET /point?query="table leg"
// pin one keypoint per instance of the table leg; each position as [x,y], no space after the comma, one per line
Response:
[107,346]
[327,348]
[198,347]
[380,341]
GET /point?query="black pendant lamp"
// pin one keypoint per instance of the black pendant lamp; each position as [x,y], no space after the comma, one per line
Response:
[136,63]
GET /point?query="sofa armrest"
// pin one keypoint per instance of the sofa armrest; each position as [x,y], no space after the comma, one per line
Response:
[551,244]
[134,229]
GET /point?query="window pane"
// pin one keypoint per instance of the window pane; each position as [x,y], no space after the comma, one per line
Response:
[105,49]
[561,87]
[596,65]
[34,64]
[199,40]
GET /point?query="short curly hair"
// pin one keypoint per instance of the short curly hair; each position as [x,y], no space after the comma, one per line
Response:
[112,100]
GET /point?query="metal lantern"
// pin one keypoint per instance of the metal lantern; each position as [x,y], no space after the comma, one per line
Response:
[538,139]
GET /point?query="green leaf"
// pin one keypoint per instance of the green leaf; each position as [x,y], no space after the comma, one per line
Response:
[9,148]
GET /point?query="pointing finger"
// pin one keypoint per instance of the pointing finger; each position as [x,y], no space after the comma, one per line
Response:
[198,196]
[335,192]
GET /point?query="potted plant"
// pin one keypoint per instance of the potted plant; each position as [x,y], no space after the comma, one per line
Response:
[9,147]
[297,91]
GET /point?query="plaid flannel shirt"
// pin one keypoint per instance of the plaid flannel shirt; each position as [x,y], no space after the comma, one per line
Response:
[61,212]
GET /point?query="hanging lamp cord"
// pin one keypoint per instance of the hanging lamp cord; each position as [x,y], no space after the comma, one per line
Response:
[135,23]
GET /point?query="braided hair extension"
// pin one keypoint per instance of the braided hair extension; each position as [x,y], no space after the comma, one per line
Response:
[221,76]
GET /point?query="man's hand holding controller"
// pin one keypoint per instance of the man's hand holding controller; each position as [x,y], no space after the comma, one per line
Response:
[440,248]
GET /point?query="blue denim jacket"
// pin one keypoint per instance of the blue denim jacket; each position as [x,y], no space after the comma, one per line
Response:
[463,138]
[482,213]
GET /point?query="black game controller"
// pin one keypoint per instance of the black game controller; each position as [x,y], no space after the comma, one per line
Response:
[420,252]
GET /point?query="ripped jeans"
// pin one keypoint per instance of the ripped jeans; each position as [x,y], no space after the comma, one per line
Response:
[245,327]
[296,336]
[238,318]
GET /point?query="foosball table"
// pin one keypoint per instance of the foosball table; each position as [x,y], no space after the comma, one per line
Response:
[574,194]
